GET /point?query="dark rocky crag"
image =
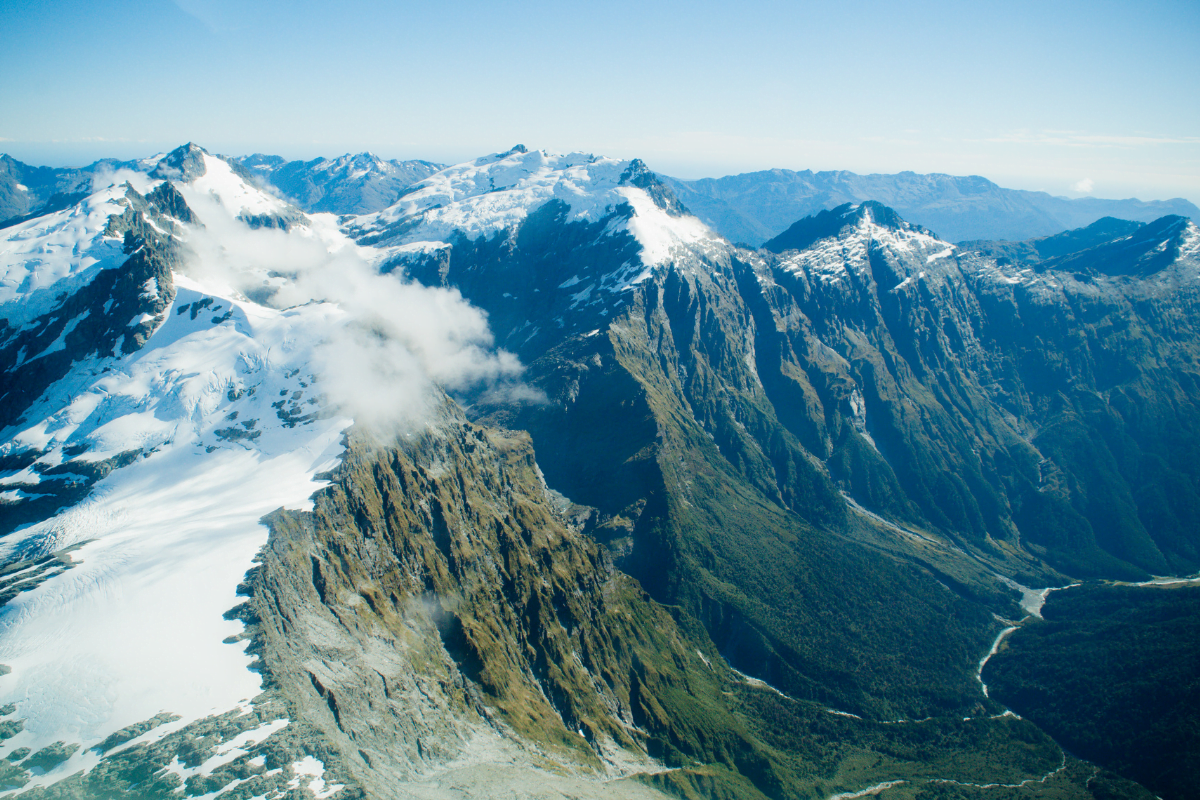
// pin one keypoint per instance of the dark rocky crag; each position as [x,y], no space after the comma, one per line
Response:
[114,312]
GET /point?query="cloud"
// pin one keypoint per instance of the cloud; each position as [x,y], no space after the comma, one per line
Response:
[397,345]
[1079,139]
[1084,186]
[105,176]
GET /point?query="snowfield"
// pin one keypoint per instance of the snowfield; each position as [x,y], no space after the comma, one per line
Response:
[137,626]
[222,415]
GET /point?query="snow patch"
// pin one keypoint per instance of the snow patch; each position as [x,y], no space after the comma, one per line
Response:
[313,770]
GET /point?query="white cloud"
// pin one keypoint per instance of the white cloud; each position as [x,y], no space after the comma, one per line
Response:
[399,345]
[1084,186]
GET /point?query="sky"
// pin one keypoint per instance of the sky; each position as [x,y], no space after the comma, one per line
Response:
[1076,98]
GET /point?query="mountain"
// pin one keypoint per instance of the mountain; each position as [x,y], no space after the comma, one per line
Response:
[351,184]
[1034,251]
[756,206]
[25,189]
[27,192]
[531,484]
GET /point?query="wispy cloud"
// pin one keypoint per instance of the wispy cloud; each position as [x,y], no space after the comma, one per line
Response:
[1080,139]
[399,344]
[1084,186]
[89,140]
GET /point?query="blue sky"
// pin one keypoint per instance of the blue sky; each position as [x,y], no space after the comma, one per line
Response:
[1070,97]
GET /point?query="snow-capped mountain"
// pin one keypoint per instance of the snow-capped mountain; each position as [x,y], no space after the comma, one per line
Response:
[531,483]
[154,414]
[497,193]
[183,353]
[349,184]
[180,433]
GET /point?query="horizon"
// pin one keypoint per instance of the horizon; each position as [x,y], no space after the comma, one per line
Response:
[161,150]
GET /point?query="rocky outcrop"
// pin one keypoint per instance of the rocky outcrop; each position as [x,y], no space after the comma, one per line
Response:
[183,164]
[434,609]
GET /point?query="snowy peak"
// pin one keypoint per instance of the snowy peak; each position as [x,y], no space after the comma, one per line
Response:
[172,372]
[499,192]
[639,175]
[1150,249]
[184,163]
[862,244]
[224,183]
[832,223]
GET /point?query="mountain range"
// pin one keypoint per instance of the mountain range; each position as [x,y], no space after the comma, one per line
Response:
[748,208]
[530,482]
[756,206]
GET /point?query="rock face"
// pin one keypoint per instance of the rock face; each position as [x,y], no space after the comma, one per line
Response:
[44,349]
[436,615]
[756,206]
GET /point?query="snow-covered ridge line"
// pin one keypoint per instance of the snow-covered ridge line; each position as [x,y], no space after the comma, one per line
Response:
[495,193]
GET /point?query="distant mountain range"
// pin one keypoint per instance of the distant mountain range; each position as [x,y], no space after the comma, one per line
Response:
[756,206]
[749,208]
[351,184]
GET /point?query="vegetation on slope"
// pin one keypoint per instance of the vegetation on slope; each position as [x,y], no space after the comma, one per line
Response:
[1113,674]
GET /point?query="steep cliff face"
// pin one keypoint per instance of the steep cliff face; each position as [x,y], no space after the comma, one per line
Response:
[662,423]
[732,414]
[433,614]
[117,310]
[444,629]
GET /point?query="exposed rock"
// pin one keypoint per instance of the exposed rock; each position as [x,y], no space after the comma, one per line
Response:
[184,163]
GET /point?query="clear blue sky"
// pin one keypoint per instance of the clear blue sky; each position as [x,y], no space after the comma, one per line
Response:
[1038,95]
